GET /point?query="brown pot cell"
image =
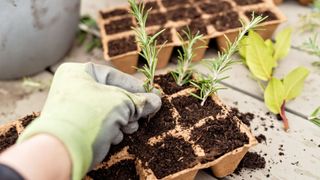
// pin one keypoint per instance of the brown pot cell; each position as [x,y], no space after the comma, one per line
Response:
[118,26]
[214,7]
[114,13]
[226,21]
[247,2]
[173,3]
[164,56]
[126,63]
[121,46]
[183,13]
[277,2]
[156,18]
[305,2]
[266,13]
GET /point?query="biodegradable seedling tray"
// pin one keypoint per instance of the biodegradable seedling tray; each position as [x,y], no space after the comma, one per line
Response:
[182,138]
[214,19]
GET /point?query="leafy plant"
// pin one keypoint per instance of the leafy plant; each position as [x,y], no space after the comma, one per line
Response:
[147,43]
[88,30]
[315,116]
[208,84]
[183,71]
[261,57]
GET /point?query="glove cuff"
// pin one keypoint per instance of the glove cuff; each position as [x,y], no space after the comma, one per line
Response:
[73,139]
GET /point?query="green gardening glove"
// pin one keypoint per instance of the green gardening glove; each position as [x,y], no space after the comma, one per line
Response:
[88,108]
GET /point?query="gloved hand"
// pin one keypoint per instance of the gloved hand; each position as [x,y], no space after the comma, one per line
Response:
[88,110]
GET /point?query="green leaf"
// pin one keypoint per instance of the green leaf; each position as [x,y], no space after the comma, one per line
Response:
[315,116]
[282,45]
[269,45]
[274,95]
[243,47]
[293,82]
[259,60]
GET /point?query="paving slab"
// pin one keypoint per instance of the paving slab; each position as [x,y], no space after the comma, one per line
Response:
[18,99]
[292,10]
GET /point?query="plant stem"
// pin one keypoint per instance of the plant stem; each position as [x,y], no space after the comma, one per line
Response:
[284,117]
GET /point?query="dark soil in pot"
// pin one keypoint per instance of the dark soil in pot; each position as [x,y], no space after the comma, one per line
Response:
[120,25]
[270,15]
[197,25]
[121,46]
[114,13]
[123,170]
[183,13]
[8,138]
[226,21]
[156,18]
[215,7]
[168,84]
[172,3]
[247,2]
[164,37]
[191,111]
[151,5]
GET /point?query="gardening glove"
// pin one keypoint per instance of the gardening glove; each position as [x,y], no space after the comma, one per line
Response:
[88,108]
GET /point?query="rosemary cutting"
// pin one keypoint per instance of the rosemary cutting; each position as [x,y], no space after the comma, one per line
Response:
[183,71]
[147,43]
[207,84]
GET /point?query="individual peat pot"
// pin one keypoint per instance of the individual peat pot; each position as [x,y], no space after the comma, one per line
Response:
[126,63]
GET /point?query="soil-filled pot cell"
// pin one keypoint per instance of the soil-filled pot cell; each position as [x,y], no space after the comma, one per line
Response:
[161,122]
[168,84]
[151,5]
[247,2]
[114,13]
[164,37]
[191,111]
[197,25]
[168,157]
[117,26]
[123,170]
[226,21]
[172,3]
[157,18]
[219,136]
[183,13]
[270,15]
[215,7]
[8,138]
[121,46]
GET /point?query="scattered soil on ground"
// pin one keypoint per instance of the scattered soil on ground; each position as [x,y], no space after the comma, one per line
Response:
[123,170]
[261,138]
[121,46]
[246,118]
[251,160]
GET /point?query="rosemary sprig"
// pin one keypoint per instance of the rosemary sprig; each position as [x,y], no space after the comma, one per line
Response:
[183,71]
[208,84]
[148,44]
[311,21]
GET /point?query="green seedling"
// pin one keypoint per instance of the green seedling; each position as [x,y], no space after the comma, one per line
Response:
[312,48]
[315,116]
[147,43]
[209,84]
[183,72]
[261,57]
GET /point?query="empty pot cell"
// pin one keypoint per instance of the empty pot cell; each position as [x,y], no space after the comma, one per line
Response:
[117,26]
[8,139]
[122,46]
[172,3]
[270,15]
[183,13]
[247,2]
[168,84]
[157,18]
[215,7]
[114,13]
[197,25]
[226,21]
[191,110]
[122,170]
[168,156]
[218,137]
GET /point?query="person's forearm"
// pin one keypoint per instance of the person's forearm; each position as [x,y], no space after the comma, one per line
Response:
[40,157]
